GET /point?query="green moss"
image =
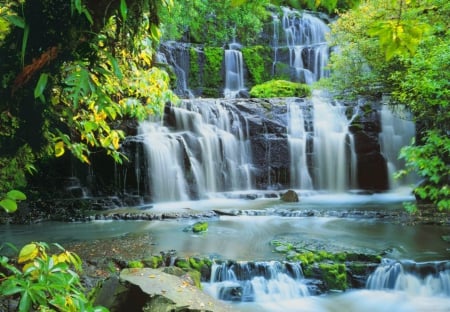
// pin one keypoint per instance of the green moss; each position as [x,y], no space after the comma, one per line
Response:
[334,275]
[135,264]
[213,67]
[153,262]
[200,227]
[280,88]
[182,263]
[258,61]
[194,69]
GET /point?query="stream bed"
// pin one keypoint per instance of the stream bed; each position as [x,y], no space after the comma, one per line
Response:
[243,229]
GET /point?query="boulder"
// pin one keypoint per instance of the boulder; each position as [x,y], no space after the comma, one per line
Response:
[153,290]
[290,196]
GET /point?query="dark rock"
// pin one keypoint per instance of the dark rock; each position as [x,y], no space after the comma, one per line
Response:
[290,196]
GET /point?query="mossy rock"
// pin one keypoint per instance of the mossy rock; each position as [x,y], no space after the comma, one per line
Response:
[135,264]
[153,262]
[334,275]
[200,227]
[280,88]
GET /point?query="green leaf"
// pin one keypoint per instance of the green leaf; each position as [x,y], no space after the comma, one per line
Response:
[16,195]
[9,205]
[15,20]
[26,32]
[25,302]
[40,86]
[90,126]
[123,9]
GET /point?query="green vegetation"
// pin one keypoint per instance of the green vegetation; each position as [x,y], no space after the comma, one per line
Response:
[44,281]
[334,275]
[280,88]
[212,71]
[258,60]
[214,23]
[402,48]
[71,71]
[200,227]
[332,267]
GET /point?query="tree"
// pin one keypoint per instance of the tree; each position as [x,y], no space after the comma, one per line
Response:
[72,71]
[402,48]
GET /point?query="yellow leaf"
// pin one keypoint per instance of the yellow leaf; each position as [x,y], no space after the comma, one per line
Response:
[28,252]
[59,149]
[85,159]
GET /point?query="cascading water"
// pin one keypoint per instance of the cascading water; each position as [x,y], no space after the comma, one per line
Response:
[298,139]
[234,71]
[334,160]
[256,281]
[304,38]
[397,130]
[424,279]
[206,151]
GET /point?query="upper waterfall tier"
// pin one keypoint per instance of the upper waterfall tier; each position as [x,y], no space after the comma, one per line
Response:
[297,51]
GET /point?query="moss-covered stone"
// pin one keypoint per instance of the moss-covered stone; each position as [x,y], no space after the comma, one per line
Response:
[135,264]
[334,275]
[280,88]
[153,262]
[200,227]
[182,263]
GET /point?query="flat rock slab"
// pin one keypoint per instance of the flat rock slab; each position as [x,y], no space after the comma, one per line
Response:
[184,296]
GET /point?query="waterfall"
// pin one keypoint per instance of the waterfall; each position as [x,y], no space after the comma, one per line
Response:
[304,39]
[334,154]
[424,279]
[205,151]
[298,138]
[234,71]
[256,281]
[397,131]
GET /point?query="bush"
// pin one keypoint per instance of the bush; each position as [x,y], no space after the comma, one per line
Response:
[43,281]
[280,88]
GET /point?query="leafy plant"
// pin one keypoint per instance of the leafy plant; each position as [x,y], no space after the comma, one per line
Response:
[430,161]
[44,281]
[280,88]
[9,202]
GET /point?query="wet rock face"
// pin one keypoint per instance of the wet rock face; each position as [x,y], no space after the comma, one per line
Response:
[265,122]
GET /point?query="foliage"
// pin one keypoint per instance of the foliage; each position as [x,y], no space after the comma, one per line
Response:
[402,48]
[280,88]
[9,202]
[430,161]
[213,65]
[44,281]
[71,72]
[214,23]
[258,60]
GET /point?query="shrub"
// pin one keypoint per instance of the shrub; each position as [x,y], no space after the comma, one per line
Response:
[280,88]
[45,282]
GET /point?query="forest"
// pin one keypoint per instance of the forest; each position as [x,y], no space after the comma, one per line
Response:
[74,73]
